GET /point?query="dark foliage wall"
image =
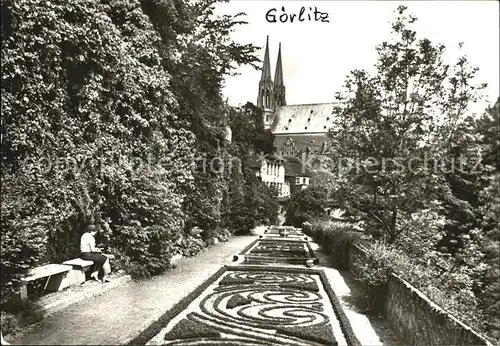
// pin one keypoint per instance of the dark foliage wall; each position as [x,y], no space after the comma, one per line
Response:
[106,108]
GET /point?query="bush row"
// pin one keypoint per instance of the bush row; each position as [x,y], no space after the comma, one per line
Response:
[447,287]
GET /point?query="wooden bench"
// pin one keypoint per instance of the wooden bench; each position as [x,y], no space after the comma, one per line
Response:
[56,274]
[79,266]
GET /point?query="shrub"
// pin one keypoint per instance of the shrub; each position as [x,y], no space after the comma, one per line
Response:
[307,227]
[25,225]
[252,204]
[202,204]
[372,269]
[9,323]
[335,237]
[148,222]
[451,288]
[84,102]
[189,246]
[307,205]
[448,288]
[17,313]
[223,234]
[148,248]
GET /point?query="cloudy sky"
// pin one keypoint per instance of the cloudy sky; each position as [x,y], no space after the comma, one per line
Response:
[317,56]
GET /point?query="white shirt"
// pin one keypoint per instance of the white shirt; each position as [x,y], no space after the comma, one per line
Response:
[87,242]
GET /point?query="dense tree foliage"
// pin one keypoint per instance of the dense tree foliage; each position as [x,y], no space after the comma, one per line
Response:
[393,125]
[307,205]
[112,114]
[420,170]
[489,209]
[255,203]
[247,125]
[87,113]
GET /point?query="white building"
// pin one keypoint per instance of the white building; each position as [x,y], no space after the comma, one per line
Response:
[285,175]
[272,173]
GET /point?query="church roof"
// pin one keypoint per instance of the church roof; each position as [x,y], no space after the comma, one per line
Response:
[304,118]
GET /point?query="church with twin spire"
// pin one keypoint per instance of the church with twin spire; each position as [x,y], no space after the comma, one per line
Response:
[298,129]
[271,94]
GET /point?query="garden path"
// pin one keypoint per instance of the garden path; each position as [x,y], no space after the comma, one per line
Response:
[370,330]
[120,314]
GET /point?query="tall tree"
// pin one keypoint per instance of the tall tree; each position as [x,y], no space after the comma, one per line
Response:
[392,128]
[198,52]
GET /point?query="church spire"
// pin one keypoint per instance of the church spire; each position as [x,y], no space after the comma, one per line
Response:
[279,86]
[266,69]
[278,74]
[265,100]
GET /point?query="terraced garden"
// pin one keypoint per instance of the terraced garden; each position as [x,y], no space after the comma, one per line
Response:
[272,251]
[263,304]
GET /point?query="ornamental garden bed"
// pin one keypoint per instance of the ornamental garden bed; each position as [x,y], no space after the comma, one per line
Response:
[254,305]
[283,231]
[279,251]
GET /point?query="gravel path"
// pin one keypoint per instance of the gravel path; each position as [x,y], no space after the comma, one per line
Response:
[120,314]
[370,330]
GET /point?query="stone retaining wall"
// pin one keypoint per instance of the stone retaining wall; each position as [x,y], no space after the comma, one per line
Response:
[417,319]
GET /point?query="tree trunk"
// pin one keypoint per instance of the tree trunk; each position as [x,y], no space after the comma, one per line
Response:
[392,233]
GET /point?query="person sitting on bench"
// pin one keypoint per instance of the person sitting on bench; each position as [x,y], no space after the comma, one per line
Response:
[90,252]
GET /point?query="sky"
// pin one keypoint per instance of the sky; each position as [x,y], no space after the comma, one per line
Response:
[317,56]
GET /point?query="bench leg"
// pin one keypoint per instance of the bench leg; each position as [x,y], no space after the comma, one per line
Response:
[76,277]
[57,282]
[23,292]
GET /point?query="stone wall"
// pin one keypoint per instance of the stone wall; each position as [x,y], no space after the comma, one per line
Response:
[417,319]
